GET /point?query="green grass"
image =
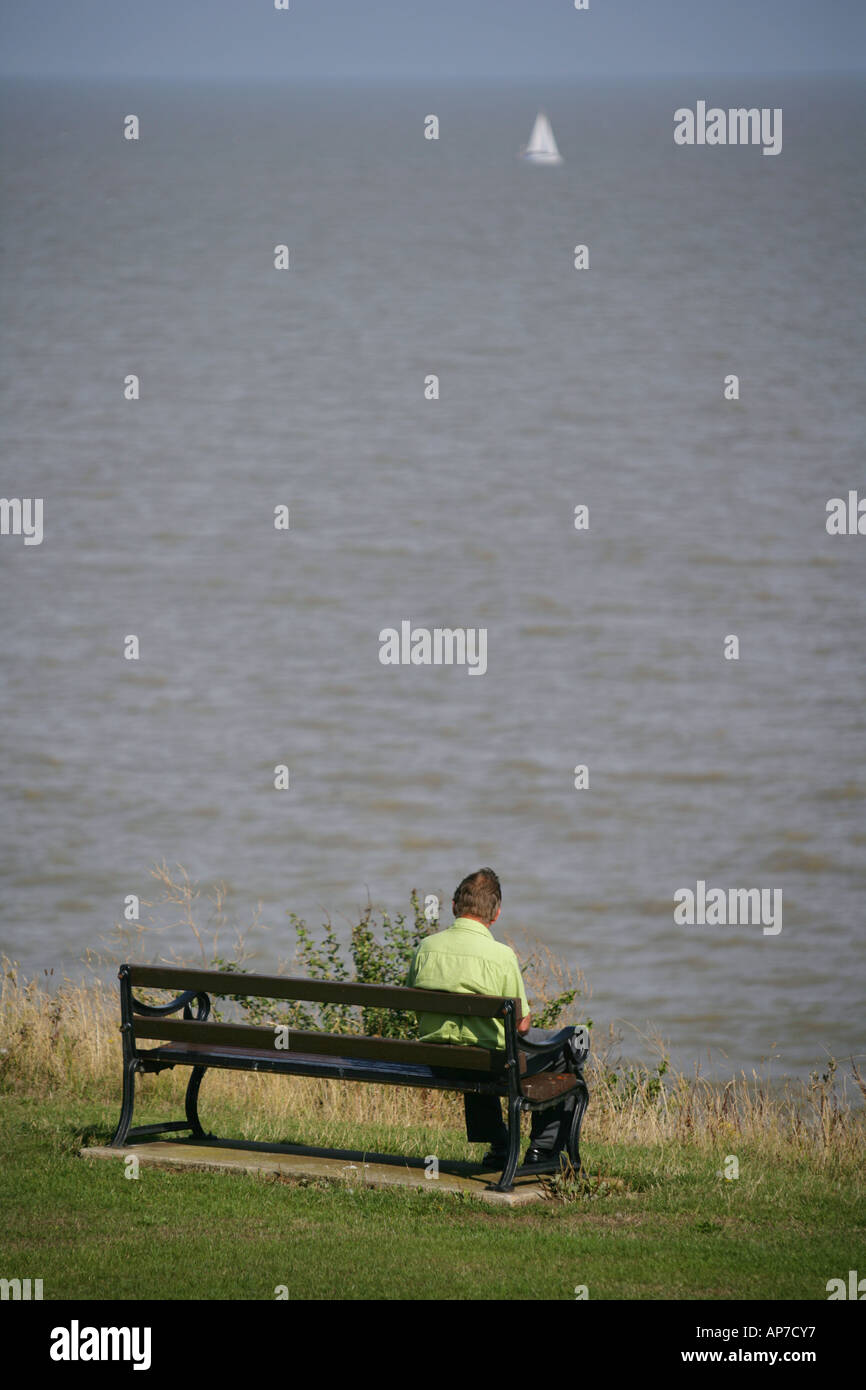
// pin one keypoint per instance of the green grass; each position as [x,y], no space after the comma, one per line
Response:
[657,1223]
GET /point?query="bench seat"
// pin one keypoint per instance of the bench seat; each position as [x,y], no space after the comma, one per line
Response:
[315,1064]
[544,1086]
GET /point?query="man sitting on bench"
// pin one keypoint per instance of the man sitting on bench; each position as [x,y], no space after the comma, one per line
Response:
[466,959]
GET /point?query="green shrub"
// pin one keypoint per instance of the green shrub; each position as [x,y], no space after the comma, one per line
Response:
[380,954]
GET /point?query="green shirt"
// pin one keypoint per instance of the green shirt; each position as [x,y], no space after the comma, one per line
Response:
[466,959]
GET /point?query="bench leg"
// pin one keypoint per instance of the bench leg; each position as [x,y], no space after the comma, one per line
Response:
[124,1129]
[127,1105]
[506,1182]
[192,1091]
[573,1146]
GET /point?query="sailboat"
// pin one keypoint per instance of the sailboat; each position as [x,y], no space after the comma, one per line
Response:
[542,143]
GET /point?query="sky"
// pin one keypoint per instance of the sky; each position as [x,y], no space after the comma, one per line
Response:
[423,39]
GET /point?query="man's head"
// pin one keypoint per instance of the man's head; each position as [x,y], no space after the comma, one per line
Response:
[479,895]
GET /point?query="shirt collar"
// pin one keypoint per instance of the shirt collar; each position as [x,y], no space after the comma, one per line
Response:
[467,924]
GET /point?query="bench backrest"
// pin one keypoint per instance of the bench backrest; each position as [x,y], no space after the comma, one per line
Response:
[143,1021]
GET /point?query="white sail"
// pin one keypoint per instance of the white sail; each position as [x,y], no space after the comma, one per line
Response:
[542,143]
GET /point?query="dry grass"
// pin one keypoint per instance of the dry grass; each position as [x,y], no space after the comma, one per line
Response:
[66,1042]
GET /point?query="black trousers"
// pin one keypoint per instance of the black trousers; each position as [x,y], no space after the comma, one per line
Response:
[484,1123]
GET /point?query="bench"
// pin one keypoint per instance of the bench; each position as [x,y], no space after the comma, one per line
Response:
[199,1042]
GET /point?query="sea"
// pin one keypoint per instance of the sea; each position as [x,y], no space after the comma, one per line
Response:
[608,645]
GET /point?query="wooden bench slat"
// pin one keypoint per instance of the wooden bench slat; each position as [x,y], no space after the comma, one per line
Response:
[329,1044]
[319,991]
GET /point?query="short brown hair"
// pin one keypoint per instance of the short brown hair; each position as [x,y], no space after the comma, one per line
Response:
[478,895]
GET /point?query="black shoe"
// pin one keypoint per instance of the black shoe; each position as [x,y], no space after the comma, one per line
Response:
[536,1158]
[494,1158]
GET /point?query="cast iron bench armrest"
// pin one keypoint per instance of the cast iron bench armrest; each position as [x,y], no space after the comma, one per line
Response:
[182,1001]
[556,1043]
